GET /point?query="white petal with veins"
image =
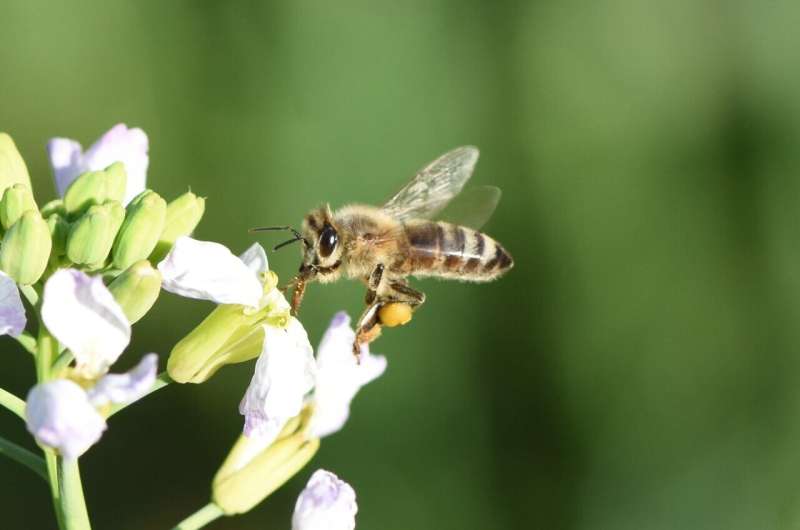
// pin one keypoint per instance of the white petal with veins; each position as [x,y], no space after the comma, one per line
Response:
[82,314]
[209,271]
[12,312]
[326,503]
[122,389]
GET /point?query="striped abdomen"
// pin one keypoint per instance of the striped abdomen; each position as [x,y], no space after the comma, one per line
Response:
[451,251]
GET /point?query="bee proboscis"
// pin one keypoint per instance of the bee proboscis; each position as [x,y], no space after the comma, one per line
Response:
[383,246]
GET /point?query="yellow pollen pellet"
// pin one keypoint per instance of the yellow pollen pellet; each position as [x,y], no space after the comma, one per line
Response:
[394,314]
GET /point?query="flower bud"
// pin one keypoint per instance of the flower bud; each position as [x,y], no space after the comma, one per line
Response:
[245,480]
[183,215]
[92,235]
[26,248]
[59,230]
[136,289]
[12,166]
[144,222]
[17,199]
[54,206]
[95,187]
[227,335]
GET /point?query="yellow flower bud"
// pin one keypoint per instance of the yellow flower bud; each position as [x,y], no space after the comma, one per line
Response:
[17,199]
[12,166]
[244,480]
[136,289]
[26,248]
[95,187]
[227,335]
[183,215]
[92,235]
[141,229]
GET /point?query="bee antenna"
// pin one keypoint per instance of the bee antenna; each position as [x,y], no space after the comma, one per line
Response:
[297,235]
[285,243]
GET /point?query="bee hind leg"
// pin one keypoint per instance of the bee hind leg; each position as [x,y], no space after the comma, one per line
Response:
[367,329]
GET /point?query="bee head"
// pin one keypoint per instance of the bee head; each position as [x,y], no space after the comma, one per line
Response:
[322,255]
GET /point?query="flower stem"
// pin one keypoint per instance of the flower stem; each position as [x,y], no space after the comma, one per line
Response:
[24,457]
[73,506]
[162,380]
[201,517]
[12,403]
[28,342]
[30,293]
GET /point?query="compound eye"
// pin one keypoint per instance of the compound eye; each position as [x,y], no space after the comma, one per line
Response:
[327,241]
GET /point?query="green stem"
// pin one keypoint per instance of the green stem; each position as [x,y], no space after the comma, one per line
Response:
[73,505]
[24,457]
[47,350]
[12,403]
[162,380]
[51,460]
[61,362]
[27,341]
[201,517]
[30,293]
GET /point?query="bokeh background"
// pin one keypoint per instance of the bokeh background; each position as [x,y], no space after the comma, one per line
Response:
[639,368]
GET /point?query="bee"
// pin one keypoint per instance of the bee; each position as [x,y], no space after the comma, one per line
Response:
[383,246]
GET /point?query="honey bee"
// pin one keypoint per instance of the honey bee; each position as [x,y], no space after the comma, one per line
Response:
[383,246]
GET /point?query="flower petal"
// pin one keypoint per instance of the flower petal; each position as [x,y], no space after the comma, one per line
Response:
[340,376]
[121,144]
[284,374]
[256,258]
[326,503]
[128,387]
[12,312]
[66,158]
[59,415]
[82,314]
[209,271]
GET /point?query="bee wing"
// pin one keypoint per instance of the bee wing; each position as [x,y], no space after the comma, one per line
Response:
[434,186]
[473,207]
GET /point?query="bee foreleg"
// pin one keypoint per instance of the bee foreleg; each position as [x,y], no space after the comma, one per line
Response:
[373,282]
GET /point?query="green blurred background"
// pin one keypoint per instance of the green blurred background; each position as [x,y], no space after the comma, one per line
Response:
[639,367]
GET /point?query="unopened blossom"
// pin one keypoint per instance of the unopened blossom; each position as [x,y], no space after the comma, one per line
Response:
[326,503]
[119,144]
[12,312]
[206,270]
[284,374]
[63,415]
[59,415]
[340,376]
[82,314]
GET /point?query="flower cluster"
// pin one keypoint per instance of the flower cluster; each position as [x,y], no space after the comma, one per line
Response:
[93,262]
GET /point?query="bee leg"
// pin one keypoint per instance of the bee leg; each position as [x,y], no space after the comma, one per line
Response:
[367,329]
[373,282]
[297,294]
[401,292]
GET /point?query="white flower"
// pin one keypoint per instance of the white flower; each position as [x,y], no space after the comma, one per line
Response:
[59,415]
[62,415]
[209,271]
[119,144]
[128,387]
[284,374]
[340,376]
[326,503]
[82,314]
[12,312]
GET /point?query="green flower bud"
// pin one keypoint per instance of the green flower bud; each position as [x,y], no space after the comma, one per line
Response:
[26,248]
[227,335]
[17,199]
[136,289]
[54,206]
[96,187]
[59,230]
[92,235]
[141,230]
[183,215]
[245,480]
[12,166]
